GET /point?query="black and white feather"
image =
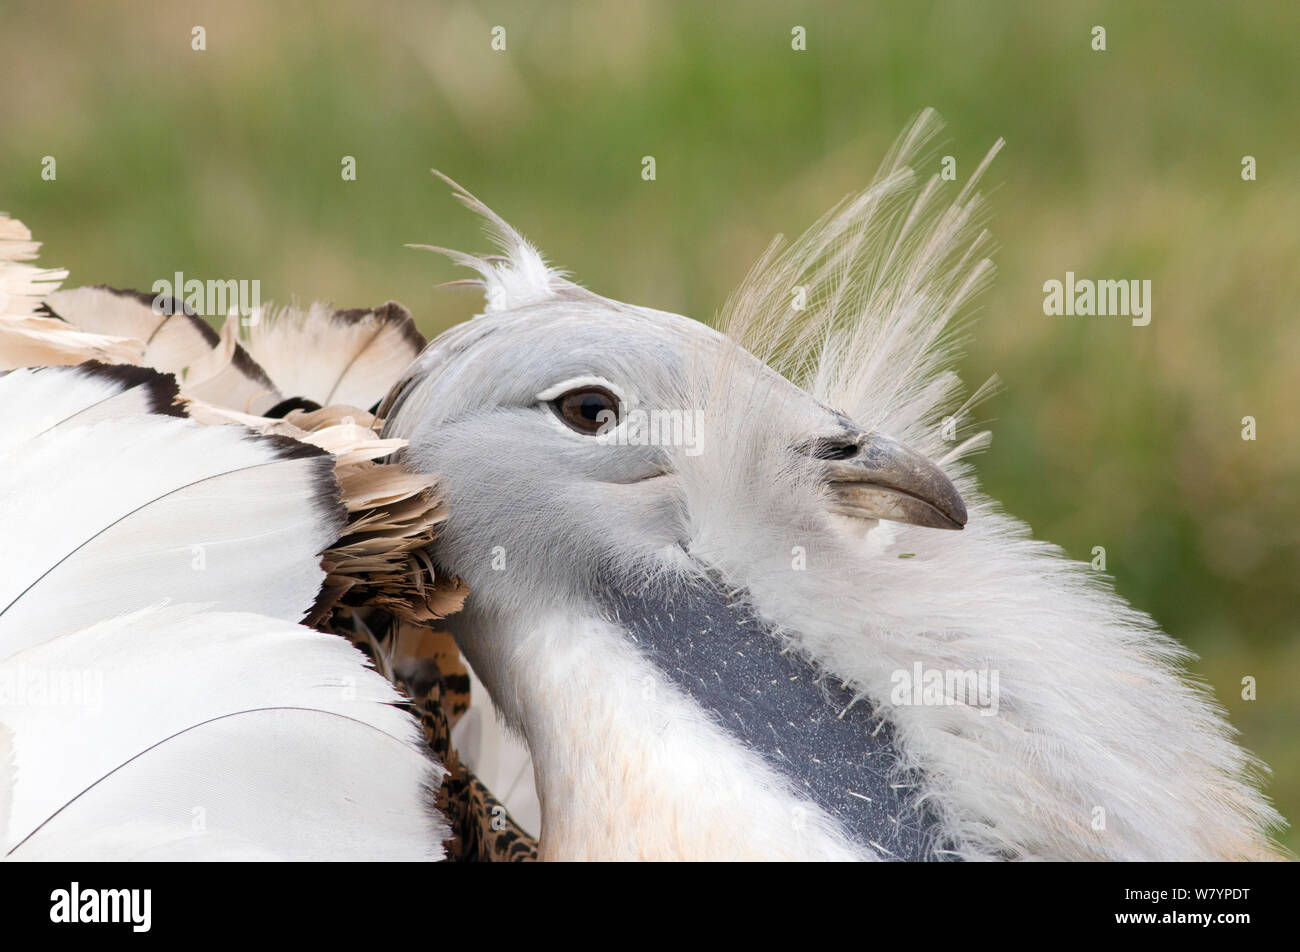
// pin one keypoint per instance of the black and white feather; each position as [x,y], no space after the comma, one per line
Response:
[160,698]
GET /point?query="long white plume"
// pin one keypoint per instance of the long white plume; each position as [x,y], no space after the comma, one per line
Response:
[1102,746]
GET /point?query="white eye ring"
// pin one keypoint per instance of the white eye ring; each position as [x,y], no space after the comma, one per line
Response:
[590,380]
[551,393]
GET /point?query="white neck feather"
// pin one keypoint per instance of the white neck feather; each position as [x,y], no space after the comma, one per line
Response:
[629,768]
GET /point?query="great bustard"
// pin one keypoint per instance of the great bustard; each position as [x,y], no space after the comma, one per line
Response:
[714,578]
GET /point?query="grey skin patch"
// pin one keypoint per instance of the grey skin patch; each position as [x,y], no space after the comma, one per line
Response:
[837,753]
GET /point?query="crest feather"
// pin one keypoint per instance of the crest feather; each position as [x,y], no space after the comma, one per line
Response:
[517,277]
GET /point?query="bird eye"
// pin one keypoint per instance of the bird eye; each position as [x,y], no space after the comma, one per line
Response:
[587,410]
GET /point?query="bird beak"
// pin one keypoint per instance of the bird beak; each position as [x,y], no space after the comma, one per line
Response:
[874,477]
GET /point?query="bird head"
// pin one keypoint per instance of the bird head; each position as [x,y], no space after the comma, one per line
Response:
[576,426]
[583,443]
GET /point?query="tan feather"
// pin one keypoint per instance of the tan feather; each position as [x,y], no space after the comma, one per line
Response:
[174,337]
[28,339]
[331,356]
[173,340]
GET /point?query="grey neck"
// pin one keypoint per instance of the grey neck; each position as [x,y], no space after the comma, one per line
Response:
[839,754]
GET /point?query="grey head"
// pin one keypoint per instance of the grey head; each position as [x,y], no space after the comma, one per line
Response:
[590,452]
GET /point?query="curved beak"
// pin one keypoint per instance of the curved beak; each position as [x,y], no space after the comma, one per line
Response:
[875,477]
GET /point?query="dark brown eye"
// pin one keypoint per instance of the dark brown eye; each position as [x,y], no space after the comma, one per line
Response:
[588,410]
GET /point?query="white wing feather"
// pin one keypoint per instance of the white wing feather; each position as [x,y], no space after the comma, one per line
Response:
[177,722]
[159,703]
[121,514]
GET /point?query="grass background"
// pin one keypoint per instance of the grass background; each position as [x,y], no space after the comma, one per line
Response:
[1124,163]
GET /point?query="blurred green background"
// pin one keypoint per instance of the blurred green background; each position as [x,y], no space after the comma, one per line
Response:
[1124,163]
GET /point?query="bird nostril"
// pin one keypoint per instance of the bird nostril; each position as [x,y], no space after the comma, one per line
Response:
[833,449]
